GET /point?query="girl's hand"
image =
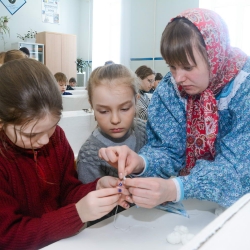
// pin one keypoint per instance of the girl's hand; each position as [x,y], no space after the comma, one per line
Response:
[97,203]
[150,192]
[122,158]
[108,181]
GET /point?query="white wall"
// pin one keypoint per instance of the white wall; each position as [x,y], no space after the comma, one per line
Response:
[143,22]
[149,18]
[29,17]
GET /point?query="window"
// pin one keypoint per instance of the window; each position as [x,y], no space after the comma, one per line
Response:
[236,14]
[106,32]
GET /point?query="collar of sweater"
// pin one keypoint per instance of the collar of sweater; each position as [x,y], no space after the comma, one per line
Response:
[8,145]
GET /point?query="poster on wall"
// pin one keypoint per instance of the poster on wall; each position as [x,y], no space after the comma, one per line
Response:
[13,5]
[51,11]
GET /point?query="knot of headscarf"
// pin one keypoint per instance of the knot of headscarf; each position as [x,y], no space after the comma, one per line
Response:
[225,62]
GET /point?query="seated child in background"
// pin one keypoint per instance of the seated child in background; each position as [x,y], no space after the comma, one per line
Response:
[112,92]
[158,77]
[72,84]
[25,51]
[62,83]
[42,201]
[13,54]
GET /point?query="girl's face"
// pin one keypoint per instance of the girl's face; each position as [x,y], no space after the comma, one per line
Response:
[193,79]
[35,134]
[114,108]
[148,83]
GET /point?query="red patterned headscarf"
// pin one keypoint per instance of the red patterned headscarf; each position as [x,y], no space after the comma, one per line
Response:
[225,63]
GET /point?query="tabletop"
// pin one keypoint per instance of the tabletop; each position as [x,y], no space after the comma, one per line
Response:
[138,228]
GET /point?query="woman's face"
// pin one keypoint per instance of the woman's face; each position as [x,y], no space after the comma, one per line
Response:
[148,83]
[193,79]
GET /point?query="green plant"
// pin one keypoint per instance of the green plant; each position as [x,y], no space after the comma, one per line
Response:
[81,65]
[29,34]
[3,25]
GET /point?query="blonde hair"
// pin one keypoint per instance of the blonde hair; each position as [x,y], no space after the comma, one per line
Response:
[2,55]
[60,77]
[105,75]
[13,54]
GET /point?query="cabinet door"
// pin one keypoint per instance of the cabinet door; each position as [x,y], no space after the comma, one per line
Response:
[53,55]
[69,55]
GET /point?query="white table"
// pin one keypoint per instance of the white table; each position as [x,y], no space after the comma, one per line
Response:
[228,231]
[148,229]
[78,126]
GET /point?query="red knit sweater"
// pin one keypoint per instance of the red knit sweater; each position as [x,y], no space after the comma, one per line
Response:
[37,201]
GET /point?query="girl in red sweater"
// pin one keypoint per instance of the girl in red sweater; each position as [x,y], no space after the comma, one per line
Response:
[41,199]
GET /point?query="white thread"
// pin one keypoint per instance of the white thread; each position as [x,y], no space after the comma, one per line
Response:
[128,228]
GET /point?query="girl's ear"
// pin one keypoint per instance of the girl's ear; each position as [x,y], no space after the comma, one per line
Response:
[1,125]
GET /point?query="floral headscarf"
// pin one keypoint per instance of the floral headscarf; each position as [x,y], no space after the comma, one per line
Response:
[225,63]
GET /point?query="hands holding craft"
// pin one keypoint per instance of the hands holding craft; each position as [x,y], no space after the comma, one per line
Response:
[101,201]
[144,192]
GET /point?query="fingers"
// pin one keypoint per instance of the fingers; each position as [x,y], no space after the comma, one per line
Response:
[108,154]
[102,193]
[145,183]
[117,155]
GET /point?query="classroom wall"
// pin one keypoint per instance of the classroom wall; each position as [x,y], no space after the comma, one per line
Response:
[150,17]
[29,17]
[142,24]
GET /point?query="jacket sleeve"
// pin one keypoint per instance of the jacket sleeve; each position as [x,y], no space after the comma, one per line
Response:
[165,149]
[227,178]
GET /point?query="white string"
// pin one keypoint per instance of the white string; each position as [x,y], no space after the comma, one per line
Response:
[129,227]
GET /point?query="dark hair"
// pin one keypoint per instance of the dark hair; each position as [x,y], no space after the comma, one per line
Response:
[105,75]
[25,51]
[177,42]
[158,76]
[60,77]
[144,71]
[28,91]
[13,54]
[72,79]
[109,62]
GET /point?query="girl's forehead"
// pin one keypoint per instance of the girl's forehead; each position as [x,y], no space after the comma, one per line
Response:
[39,125]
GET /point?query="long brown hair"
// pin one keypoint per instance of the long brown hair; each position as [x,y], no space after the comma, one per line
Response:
[28,91]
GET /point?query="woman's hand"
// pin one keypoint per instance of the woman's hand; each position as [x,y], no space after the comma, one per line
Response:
[122,158]
[150,192]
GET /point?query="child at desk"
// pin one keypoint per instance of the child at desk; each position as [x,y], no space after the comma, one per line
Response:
[112,91]
[42,201]
[62,82]
[72,84]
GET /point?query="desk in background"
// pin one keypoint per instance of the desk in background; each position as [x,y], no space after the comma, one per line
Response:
[78,126]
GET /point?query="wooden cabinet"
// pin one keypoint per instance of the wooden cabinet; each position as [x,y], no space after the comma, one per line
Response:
[59,52]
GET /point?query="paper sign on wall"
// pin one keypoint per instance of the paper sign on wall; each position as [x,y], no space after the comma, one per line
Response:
[51,11]
[13,5]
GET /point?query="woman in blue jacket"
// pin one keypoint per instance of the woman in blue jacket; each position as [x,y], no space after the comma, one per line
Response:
[198,119]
